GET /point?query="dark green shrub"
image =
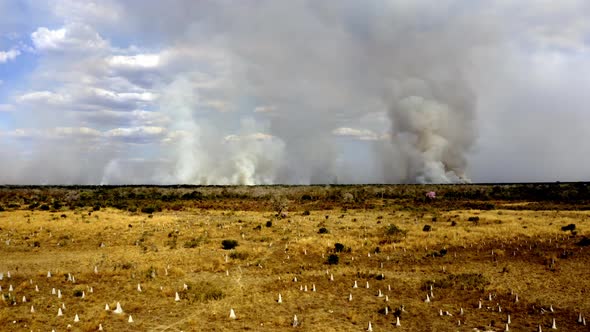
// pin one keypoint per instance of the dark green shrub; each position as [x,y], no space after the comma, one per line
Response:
[323,230]
[269,223]
[148,209]
[229,244]
[44,207]
[333,259]
[306,213]
[338,247]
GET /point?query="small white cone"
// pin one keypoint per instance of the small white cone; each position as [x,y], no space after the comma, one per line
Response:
[138,287]
[499,309]
[580,318]
[185,287]
[8,274]
[367,285]
[295,321]
[540,329]
[349,297]
[280,300]
[59,312]
[10,288]
[24,299]
[63,306]
[36,288]
[397,323]
[554,324]
[91,290]
[32,309]
[461,312]
[59,293]
[232,314]
[584,321]
[427,299]
[313,288]
[380,294]
[106,307]
[100,327]
[386,298]
[516,298]
[53,291]
[96,272]
[76,318]
[389,288]
[507,328]
[355,285]
[479,305]
[305,288]
[440,312]
[331,277]
[551,308]
[48,274]
[508,320]
[118,310]
[386,310]
[370,328]
[177,297]
[130,320]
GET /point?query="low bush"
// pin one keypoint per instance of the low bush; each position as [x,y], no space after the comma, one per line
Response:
[229,244]
[333,259]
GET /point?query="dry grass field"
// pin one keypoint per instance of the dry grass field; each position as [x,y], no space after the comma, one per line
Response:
[103,257]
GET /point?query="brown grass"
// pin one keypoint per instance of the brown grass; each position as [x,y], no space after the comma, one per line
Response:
[151,251]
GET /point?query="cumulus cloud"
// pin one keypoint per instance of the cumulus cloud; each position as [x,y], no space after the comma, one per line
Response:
[72,37]
[6,56]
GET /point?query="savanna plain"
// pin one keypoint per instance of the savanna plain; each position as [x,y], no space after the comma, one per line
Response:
[181,258]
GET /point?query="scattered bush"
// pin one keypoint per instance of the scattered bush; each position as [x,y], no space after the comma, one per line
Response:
[323,230]
[202,291]
[463,281]
[306,213]
[229,244]
[427,228]
[474,219]
[333,259]
[44,207]
[570,227]
[584,242]
[393,234]
[338,247]
[269,223]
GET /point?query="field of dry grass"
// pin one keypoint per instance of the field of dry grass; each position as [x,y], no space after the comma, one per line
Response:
[498,256]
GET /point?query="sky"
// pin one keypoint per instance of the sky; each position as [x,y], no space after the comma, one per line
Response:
[294,92]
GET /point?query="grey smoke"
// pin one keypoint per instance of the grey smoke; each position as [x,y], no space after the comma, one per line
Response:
[253,92]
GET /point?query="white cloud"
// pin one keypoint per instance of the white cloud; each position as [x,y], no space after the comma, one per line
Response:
[131,62]
[123,97]
[141,134]
[6,108]
[250,137]
[54,133]
[72,37]
[47,97]
[361,134]
[6,56]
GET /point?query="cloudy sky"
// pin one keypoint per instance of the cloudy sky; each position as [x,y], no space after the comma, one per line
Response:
[294,91]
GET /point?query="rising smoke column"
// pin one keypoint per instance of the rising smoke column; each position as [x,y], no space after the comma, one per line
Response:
[433,127]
